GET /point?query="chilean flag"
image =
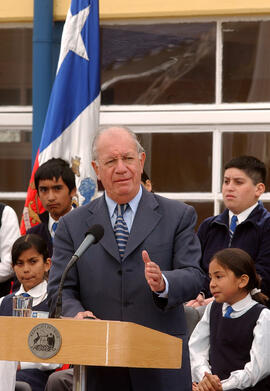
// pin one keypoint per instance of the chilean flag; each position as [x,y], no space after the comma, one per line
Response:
[73,113]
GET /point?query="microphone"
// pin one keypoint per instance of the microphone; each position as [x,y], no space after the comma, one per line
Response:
[92,236]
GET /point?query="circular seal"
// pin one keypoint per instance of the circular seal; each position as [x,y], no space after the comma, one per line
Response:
[44,340]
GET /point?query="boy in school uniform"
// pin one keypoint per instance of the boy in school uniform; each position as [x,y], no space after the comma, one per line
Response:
[55,184]
[244,224]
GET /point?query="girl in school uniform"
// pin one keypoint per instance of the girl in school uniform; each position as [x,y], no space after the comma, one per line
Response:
[31,264]
[230,346]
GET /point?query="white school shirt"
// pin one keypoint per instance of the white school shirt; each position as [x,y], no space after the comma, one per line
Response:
[8,371]
[50,224]
[255,370]
[243,215]
[9,232]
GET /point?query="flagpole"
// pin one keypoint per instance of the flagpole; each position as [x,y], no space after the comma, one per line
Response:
[43,74]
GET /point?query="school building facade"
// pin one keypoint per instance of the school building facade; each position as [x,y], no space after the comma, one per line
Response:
[191,78]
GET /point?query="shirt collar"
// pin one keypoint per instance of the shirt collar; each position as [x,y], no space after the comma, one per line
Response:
[37,291]
[243,215]
[50,224]
[52,221]
[133,204]
[239,305]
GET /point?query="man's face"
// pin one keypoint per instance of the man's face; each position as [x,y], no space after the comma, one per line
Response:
[55,196]
[239,191]
[119,165]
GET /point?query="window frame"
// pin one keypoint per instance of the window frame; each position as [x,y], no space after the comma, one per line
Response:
[216,118]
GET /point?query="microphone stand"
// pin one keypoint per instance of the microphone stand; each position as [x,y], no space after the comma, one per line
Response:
[58,307]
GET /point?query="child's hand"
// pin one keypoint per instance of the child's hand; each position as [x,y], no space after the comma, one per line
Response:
[209,383]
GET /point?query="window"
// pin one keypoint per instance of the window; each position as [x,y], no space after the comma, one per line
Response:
[16,66]
[196,92]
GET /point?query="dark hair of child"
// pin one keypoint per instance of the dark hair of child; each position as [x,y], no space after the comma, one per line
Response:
[240,262]
[253,167]
[25,243]
[56,168]
[144,177]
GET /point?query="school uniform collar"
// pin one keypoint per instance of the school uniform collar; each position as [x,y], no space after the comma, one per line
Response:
[223,218]
[243,215]
[36,292]
[239,305]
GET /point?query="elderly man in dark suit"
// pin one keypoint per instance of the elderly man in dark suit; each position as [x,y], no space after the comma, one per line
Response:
[140,272]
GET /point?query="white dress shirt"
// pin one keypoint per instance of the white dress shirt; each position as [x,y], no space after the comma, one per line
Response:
[128,216]
[9,232]
[50,224]
[243,215]
[8,371]
[255,370]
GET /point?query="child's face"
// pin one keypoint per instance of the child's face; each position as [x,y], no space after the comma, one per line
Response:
[239,191]
[30,268]
[224,285]
[55,196]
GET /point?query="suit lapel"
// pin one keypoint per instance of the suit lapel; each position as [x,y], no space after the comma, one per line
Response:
[99,215]
[146,219]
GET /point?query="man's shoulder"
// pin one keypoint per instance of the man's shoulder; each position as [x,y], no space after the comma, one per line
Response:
[83,209]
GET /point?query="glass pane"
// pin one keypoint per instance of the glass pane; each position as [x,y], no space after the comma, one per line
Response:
[15,160]
[179,162]
[255,143]
[158,63]
[203,209]
[16,66]
[246,61]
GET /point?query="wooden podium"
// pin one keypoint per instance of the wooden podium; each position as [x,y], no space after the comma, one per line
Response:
[111,343]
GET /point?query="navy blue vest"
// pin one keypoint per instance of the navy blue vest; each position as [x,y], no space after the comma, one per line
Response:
[6,306]
[230,342]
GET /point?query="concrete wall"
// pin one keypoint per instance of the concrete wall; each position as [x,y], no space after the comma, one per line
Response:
[22,10]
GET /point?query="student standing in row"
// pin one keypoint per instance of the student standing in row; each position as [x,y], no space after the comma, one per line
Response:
[230,346]
[245,223]
[55,184]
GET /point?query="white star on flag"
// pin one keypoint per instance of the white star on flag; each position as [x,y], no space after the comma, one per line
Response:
[72,33]
[73,112]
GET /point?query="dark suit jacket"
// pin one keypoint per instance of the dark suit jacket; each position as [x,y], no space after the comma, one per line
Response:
[115,290]
[252,236]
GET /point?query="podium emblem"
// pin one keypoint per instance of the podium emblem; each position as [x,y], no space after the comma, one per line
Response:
[44,340]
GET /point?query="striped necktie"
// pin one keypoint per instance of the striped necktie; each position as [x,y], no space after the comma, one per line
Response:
[228,312]
[233,225]
[121,229]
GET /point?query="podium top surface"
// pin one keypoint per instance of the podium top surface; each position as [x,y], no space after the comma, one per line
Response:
[93,342]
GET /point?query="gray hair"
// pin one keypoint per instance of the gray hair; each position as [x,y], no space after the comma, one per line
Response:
[103,129]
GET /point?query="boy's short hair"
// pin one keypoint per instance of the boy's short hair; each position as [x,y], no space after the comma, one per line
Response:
[144,177]
[253,168]
[56,168]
